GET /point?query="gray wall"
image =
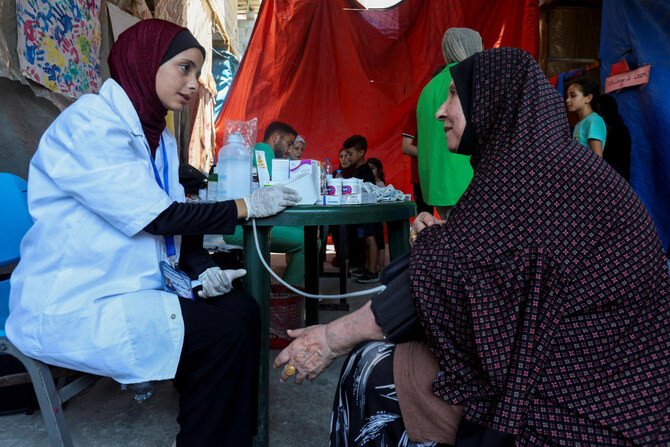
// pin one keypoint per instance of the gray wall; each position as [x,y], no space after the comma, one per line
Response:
[23,119]
[26,108]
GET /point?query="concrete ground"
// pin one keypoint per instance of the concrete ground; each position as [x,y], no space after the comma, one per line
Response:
[107,416]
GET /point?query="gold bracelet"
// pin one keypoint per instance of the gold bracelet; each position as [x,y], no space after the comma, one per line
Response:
[412,237]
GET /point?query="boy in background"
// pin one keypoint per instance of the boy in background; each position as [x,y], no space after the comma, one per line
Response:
[356,147]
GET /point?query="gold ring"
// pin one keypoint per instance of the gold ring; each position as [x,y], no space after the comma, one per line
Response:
[412,237]
[290,370]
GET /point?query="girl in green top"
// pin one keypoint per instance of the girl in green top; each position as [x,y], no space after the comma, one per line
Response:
[590,131]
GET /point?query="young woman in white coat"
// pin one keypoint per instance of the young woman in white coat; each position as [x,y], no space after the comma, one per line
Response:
[111,229]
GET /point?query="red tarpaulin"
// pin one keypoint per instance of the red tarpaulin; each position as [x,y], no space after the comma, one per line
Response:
[332,69]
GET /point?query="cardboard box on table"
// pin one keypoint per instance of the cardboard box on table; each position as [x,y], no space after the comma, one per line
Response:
[311,167]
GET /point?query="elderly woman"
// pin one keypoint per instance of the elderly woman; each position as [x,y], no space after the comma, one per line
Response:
[543,300]
[295,152]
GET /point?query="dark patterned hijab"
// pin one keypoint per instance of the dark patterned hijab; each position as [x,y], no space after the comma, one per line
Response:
[133,62]
[545,296]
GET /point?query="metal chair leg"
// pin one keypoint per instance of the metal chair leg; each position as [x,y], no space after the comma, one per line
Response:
[47,396]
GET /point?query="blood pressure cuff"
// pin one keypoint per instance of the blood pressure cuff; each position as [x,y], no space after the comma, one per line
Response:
[394,308]
[394,269]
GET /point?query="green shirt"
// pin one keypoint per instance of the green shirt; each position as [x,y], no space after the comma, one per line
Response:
[444,176]
[269,155]
[590,128]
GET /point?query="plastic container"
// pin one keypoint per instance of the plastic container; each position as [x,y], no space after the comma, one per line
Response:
[142,390]
[328,168]
[213,187]
[286,312]
[351,186]
[338,174]
[202,193]
[234,169]
[334,187]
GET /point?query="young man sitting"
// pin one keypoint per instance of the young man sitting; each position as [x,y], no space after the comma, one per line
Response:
[277,141]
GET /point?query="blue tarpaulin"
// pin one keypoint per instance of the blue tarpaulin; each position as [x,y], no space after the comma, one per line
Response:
[639,32]
[224,67]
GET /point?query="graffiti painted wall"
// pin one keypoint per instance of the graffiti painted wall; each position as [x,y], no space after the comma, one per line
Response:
[58,44]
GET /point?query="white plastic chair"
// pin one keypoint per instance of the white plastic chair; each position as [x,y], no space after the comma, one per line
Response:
[14,223]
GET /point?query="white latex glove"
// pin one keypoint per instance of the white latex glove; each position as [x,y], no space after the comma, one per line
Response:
[265,202]
[217,282]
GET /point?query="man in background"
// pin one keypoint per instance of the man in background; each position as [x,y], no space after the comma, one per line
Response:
[278,139]
[444,176]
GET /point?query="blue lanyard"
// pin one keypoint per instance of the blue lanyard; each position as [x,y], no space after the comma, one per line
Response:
[169,240]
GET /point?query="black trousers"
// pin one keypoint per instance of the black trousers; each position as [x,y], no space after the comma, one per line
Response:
[217,377]
[354,249]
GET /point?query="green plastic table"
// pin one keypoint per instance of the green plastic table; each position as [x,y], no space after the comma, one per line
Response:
[257,280]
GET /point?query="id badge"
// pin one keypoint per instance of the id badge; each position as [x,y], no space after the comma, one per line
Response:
[175,281]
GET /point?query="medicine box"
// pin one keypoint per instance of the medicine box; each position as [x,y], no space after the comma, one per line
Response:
[303,184]
[311,167]
[350,199]
[262,167]
[280,169]
[368,197]
[333,200]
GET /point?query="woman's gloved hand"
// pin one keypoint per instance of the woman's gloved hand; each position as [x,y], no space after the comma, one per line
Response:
[265,202]
[217,282]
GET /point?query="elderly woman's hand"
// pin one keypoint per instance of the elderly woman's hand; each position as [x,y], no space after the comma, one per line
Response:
[315,347]
[422,221]
[309,354]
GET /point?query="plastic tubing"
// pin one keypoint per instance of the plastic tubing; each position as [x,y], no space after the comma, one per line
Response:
[299,292]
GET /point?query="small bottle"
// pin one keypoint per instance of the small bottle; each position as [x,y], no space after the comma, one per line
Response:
[338,174]
[322,178]
[328,168]
[142,390]
[213,187]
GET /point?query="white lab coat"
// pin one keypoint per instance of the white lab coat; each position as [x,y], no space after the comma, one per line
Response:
[87,293]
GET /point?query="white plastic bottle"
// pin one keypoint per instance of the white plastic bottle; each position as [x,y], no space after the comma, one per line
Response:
[234,169]
[142,390]
[328,168]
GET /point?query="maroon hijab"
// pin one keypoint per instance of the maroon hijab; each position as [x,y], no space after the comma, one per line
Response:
[133,63]
[545,296]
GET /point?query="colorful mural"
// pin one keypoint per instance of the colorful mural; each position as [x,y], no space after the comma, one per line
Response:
[59,44]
